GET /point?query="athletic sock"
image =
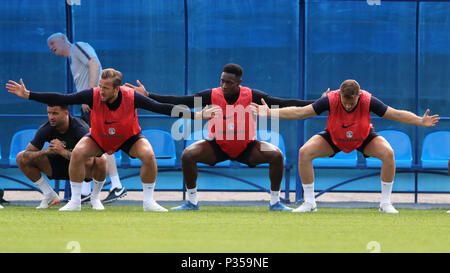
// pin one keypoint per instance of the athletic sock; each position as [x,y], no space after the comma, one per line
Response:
[98,185]
[76,192]
[43,185]
[148,189]
[308,193]
[192,195]
[386,190]
[115,182]
[86,188]
[274,197]
[112,171]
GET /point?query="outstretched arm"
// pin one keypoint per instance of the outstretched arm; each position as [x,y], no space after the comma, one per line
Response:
[293,112]
[407,117]
[188,100]
[281,102]
[141,101]
[82,97]
[18,89]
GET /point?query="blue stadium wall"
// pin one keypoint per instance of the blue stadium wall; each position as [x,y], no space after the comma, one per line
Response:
[397,50]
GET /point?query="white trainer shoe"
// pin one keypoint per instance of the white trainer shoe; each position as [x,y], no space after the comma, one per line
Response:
[448,211]
[153,206]
[1,207]
[71,206]
[306,207]
[48,202]
[387,208]
[96,204]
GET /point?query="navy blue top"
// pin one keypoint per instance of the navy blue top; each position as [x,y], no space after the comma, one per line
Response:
[46,133]
[376,106]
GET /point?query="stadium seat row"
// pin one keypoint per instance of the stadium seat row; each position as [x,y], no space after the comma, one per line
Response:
[435,150]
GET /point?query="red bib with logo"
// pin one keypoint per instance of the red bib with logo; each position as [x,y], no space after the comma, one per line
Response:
[110,129]
[348,130]
[236,128]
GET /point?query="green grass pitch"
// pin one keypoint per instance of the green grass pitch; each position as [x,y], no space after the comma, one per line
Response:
[222,230]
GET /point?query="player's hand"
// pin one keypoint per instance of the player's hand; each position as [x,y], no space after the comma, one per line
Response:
[430,121]
[209,112]
[57,147]
[262,110]
[324,94]
[85,108]
[18,89]
[140,88]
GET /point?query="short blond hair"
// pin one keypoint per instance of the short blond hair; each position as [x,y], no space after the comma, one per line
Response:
[350,88]
[111,73]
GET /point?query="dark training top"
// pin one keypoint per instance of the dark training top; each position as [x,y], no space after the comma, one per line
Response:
[87,97]
[206,99]
[376,106]
[46,133]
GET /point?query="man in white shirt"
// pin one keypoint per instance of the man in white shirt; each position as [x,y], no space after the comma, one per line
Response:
[86,70]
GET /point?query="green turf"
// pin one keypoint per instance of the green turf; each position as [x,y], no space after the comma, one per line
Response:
[222,229]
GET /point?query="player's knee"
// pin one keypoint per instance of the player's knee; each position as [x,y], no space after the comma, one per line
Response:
[77,155]
[276,156]
[147,157]
[387,155]
[304,154]
[187,156]
[101,162]
[19,159]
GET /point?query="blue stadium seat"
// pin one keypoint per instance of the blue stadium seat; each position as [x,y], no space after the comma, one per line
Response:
[199,135]
[436,150]
[163,146]
[118,156]
[19,142]
[340,160]
[401,144]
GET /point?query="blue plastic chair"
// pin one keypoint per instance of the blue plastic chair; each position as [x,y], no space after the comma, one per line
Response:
[436,150]
[401,144]
[19,142]
[163,146]
[199,135]
[340,160]
[118,156]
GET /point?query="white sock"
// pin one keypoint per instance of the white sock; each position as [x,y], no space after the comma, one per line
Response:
[308,193]
[274,197]
[76,192]
[148,189]
[98,185]
[192,195]
[115,182]
[386,190]
[112,171]
[86,188]
[43,185]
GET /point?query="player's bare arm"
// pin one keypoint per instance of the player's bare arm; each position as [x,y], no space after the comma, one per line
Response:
[407,117]
[290,113]
[32,154]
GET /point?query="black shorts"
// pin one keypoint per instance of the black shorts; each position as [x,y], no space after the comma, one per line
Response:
[60,168]
[326,135]
[222,156]
[126,146]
